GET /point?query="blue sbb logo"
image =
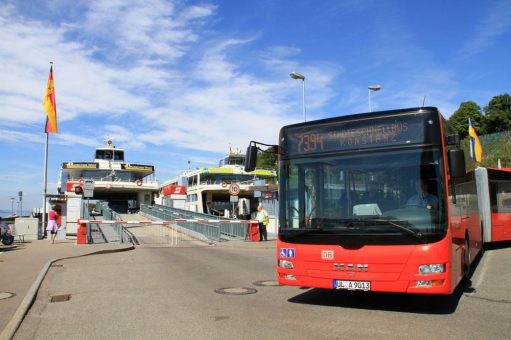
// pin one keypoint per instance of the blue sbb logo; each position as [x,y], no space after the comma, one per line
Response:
[287,252]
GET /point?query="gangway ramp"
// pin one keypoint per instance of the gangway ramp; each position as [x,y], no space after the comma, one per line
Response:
[157,234]
[204,226]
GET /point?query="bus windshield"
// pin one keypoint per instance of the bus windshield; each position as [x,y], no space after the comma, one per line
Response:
[393,196]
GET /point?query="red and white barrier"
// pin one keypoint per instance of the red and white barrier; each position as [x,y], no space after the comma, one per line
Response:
[177,220]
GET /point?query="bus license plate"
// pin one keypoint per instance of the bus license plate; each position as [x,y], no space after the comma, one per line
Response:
[352,285]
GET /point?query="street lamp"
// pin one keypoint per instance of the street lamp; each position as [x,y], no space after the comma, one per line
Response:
[20,194]
[296,75]
[372,88]
[12,206]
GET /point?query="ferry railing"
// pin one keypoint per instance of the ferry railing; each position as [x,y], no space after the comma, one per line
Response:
[111,233]
[109,179]
[207,230]
[218,232]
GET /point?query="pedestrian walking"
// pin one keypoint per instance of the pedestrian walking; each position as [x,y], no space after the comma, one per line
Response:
[52,227]
[262,218]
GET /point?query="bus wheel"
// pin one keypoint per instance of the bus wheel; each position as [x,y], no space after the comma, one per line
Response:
[466,256]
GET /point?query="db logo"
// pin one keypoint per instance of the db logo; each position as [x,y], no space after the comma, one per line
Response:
[327,254]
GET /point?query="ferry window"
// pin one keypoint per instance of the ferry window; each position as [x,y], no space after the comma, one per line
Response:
[119,155]
[125,176]
[192,181]
[100,154]
[108,154]
[208,179]
[236,161]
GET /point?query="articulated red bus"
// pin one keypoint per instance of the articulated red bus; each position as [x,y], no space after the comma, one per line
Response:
[375,202]
[494,196]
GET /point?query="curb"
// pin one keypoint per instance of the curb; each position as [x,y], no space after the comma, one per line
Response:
[19,315]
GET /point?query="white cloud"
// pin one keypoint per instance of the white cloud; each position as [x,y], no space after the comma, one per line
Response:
[185,104]
[493,24]
[145,29]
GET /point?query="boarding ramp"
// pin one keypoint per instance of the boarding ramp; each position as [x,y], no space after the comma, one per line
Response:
[153,233]
[163,226]
[107,232]
[204,226]
[156,233]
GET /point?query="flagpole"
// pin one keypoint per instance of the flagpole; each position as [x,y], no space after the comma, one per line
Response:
[45,185]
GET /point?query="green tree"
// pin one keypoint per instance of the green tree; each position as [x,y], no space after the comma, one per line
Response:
[448,129]
[459,120]
[267,159]
[498,114]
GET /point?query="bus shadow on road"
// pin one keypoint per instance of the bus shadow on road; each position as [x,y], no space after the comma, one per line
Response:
[397,302]
[498,245]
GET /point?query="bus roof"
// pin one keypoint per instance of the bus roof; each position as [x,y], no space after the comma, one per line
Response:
[366,115]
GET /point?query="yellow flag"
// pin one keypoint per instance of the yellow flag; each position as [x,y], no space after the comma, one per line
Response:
[476,151]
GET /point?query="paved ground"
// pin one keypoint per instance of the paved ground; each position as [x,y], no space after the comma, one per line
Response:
[22,263]
[173,292]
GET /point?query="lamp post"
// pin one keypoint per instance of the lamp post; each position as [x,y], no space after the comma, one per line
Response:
[372,88]
[12,206]
[296,75]
[20,194]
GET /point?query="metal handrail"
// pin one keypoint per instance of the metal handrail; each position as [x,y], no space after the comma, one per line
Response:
[211,231]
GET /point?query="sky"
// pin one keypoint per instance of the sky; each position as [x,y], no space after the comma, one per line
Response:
[174,81]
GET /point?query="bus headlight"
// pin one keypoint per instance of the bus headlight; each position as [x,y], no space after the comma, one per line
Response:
[431,268]
[286,264]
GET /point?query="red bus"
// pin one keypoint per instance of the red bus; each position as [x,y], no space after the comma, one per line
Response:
[494,196]
[375,202]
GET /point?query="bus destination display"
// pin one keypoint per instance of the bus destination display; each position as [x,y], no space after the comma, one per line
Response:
[351,135]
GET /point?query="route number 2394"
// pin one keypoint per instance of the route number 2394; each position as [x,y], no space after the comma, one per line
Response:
[310,142]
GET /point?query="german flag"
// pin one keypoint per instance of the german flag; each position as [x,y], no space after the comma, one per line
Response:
[50,106]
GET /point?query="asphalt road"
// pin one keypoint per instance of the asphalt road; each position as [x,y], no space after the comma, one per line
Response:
[172,293]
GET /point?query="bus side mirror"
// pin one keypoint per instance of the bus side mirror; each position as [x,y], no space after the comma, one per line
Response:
[251,158]
[452,139]
[456,159]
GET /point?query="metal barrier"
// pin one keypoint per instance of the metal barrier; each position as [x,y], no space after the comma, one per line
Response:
[212,227]
[168,231]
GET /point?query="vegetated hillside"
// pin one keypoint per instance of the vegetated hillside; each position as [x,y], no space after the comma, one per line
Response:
[496,146]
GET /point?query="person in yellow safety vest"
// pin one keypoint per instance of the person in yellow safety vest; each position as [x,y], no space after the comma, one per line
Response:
[262,218]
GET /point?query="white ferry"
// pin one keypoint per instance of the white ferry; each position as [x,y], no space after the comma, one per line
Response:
[123,185]
[226,190]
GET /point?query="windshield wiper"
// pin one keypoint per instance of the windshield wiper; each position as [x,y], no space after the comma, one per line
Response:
[396,224]
[356,224]
[291,233]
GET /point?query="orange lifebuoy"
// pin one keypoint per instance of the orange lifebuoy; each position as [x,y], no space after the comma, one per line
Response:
[138,182]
